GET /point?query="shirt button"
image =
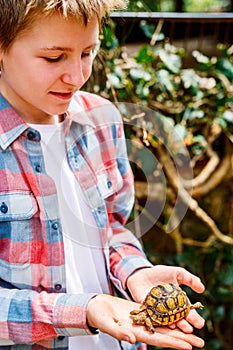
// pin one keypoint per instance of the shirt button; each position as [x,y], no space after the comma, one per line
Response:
[109,184]
[4,208]
[33,135]
[38,168]
[58,286]
[61,337]
[55,226]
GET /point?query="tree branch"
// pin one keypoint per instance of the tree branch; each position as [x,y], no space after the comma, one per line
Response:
[187,199]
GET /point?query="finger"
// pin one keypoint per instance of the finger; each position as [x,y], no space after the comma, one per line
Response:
[195,319]
[119,329]
[164,337]
[191,339]
[185,326]
[187,278]
[172,326]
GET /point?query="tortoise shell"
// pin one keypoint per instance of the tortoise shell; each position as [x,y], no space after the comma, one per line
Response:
[165,304]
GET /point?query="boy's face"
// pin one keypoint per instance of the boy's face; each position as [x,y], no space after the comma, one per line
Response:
[46,65]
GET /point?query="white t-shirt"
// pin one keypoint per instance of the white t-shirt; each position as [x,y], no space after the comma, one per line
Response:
[85,265]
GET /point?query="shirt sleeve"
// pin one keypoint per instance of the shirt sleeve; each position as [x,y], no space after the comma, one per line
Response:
[28,316]
[126,254]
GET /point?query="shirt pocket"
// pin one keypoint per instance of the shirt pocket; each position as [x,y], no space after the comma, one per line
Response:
[17,206]
[109,180]
[16,211]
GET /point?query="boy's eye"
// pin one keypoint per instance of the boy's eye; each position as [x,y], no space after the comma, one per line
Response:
[53,59]
[92,53]
[87,54]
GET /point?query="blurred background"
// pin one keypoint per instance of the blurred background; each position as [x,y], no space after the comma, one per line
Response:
[168,67]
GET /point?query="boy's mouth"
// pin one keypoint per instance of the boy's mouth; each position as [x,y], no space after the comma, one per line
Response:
[62,95]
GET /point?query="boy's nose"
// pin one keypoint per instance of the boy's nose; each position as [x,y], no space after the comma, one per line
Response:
[74,75]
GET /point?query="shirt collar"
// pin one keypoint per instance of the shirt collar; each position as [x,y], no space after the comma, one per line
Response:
[79,113]
[12,125]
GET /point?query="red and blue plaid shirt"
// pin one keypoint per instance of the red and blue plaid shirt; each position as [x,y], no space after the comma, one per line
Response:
[35,308]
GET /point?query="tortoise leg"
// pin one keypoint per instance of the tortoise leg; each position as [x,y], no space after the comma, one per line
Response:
[197,305]
[149,325]
[135,312]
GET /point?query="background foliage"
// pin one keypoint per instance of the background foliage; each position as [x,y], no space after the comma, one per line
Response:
[180,5]
[197,103]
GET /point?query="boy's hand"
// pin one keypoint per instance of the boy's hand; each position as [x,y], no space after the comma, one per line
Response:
[140,283]
[111,315]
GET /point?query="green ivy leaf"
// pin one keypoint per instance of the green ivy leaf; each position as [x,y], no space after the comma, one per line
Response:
[165,80]
[144,55]
[228,116]
[179,132]
[115,81]
[201,58]
[224,67]
[191,114]
[199,144]
[142,90]
[171,61]
[139,73]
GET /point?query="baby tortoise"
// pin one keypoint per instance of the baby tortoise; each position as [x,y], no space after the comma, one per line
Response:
[164,304]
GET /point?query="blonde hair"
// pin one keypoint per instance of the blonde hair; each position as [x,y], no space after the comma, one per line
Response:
[17,16]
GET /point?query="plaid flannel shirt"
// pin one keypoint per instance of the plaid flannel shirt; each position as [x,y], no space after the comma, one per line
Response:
[36,312]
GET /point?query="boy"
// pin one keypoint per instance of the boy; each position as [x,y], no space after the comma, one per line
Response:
[66,191]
